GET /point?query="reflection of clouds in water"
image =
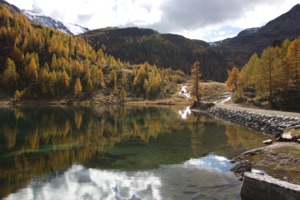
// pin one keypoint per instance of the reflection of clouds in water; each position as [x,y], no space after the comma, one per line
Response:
[81,183]
[184,113]
[128,184]
[210,162]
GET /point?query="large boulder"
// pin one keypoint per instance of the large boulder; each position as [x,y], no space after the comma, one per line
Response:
[257,103]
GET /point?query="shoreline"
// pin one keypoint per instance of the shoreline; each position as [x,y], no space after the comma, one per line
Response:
[278,160]
[273,169]
[89,103]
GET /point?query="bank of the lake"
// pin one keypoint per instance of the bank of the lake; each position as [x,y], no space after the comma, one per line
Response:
[279,160]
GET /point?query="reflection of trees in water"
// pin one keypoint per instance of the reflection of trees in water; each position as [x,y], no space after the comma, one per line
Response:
[196,125]
[78,120]
[52,139]
[238,135]
[233,136]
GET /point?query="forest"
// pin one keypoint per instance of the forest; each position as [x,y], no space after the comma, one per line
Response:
[274,76]
[136,45]
[40,62]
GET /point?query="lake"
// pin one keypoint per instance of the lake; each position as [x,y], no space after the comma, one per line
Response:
[119,152]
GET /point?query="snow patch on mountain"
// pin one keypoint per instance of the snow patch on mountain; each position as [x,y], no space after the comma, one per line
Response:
[70,29]
[249,31]
[76,29]
[217,43]
[244,32]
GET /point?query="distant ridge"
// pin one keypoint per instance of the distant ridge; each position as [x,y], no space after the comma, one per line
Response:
[285,26]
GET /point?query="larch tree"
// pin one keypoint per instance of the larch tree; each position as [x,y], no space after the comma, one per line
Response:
[124,78]
[89,86]
[122,93]
[94,73]
[78,87]
[154,83]
[140,77]
[70,45]
[285,46]
[270,73]
[145,86]
[196,87]
[248,72]
[10,75]
[31,69]
[17,95]
[292,61]
[53,63]
[51,83]
[65,79]
[233,79]
[113,77]
[101,78]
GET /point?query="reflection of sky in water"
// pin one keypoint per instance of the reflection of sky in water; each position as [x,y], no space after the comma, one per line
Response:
[184,113]
[210,162]
[79,182]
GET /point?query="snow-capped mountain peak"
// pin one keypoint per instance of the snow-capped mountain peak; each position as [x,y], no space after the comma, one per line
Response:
[71,29]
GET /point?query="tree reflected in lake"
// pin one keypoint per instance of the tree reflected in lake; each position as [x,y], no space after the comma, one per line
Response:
[38,141]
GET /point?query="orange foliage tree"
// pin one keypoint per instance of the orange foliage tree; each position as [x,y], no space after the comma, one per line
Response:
[233,79]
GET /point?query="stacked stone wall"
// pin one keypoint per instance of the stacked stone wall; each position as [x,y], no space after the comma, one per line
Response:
[272,125]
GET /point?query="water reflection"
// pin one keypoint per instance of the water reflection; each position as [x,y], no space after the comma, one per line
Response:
[36,143]
[210,162]
[184,113]
[79,182]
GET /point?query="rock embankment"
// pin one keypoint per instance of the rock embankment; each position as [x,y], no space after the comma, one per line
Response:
[272,125]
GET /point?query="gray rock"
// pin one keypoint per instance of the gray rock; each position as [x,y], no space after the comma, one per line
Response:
[268,141]
[257,103]
[287,136]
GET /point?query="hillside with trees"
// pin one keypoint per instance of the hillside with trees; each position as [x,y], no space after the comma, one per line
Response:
[38,62]
[272,77]
[138,45]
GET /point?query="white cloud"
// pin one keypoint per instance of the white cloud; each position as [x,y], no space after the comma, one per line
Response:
[156,14]
[222,32]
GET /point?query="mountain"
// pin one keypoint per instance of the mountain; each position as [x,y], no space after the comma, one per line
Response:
[70,29]
[285,26]
[169,50]
[138,45]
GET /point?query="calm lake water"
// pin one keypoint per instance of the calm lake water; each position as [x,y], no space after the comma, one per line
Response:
[119,152]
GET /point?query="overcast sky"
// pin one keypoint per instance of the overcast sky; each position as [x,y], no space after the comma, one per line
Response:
[209,20]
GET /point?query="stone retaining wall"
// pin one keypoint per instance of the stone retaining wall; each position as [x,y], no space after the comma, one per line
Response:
[259,187]
[272,125]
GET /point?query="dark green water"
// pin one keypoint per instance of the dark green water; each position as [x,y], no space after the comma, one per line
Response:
[118,152]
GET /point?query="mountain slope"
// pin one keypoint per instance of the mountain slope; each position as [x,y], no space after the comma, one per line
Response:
[138,45]
[70,29]
[256,39]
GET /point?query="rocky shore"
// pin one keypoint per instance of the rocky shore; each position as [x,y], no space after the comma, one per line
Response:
[272,125]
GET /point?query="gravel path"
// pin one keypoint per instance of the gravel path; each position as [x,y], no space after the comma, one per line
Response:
[255,110]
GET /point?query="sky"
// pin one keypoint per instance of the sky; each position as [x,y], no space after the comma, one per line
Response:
[208,20]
